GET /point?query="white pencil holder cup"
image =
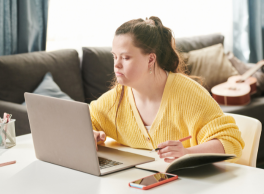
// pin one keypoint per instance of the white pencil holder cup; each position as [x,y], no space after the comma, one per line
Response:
[8,134]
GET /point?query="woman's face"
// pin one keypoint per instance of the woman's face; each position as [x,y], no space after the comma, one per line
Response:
[130,65]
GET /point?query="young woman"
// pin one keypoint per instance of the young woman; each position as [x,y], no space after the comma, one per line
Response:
[154,103]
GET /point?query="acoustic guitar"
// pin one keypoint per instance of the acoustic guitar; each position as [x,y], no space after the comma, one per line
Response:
[237,89]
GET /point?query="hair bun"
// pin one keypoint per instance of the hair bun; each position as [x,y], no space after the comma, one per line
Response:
[150,21]
[156,20]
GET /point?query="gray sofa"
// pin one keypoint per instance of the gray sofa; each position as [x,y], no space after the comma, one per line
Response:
[87,81]
[24,72]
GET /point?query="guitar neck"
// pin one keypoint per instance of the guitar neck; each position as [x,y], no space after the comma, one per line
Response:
[252,70]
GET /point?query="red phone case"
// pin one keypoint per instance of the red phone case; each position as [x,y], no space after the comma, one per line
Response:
[156,184]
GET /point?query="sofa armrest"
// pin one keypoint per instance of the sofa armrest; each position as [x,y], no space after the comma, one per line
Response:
[254,109]
[19,112]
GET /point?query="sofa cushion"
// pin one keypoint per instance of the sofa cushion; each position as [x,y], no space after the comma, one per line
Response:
[24,72]
[49,88]
[97,71]
[211,64]
[198,42]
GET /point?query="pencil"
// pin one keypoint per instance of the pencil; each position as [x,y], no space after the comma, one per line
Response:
[7,163]
[181,140]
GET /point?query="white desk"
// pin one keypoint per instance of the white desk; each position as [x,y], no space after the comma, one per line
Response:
[30,175]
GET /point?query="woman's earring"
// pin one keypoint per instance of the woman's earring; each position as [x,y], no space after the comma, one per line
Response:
[150,72]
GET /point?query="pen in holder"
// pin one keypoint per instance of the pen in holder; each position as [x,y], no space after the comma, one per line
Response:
[7,134]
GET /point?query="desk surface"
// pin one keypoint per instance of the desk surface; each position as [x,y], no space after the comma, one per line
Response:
[30,175]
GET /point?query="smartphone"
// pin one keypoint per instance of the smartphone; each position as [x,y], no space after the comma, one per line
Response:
[153,181]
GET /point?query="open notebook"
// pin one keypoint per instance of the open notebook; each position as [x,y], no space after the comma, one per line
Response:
[186,161]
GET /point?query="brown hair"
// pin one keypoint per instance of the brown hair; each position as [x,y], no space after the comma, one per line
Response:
[152,37]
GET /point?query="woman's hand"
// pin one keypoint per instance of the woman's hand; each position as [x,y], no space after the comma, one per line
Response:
[98,136]
[172,149]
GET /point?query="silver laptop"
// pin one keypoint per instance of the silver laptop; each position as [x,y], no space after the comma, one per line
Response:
[62,134]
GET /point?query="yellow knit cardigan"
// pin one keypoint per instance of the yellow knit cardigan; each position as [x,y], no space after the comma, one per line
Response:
[186,109]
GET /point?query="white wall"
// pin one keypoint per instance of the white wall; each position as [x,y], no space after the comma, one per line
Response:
[77,23]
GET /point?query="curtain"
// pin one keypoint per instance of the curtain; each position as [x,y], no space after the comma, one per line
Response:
[23,26]
[248,25]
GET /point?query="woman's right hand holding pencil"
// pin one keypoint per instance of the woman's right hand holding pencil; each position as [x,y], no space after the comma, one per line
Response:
[171,150]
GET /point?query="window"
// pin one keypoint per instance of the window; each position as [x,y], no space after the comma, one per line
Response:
[77,23]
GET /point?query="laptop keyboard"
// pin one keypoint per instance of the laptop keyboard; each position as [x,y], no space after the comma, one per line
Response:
[105,163]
